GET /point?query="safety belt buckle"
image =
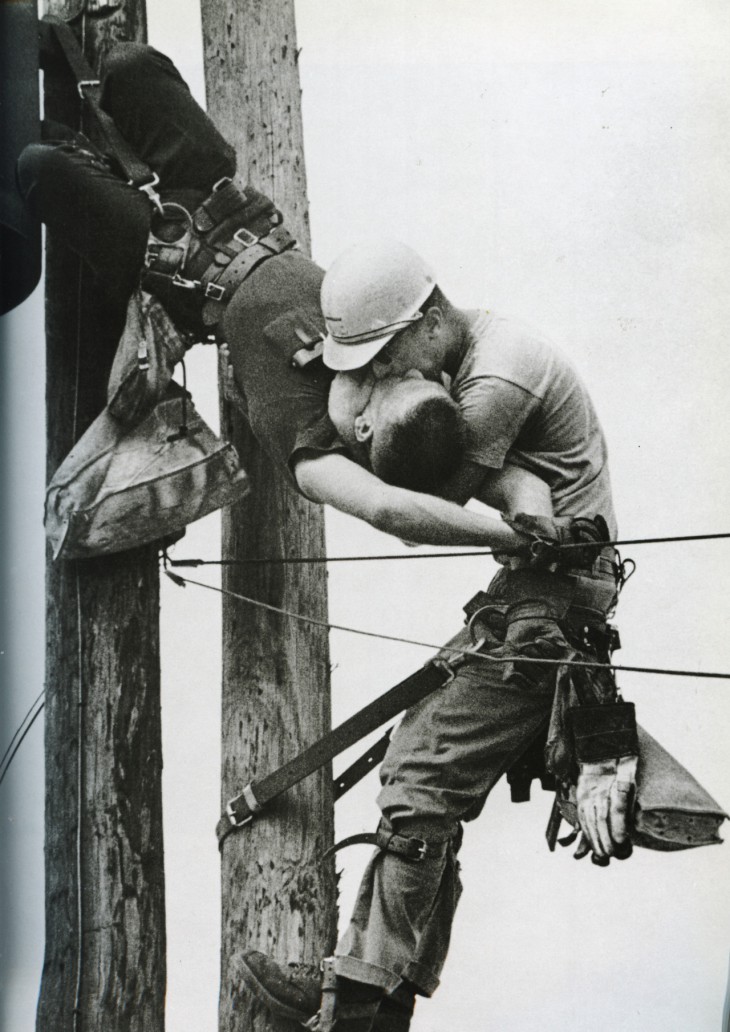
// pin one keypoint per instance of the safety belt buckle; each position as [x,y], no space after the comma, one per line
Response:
[149,189]
[86,84]
[184,284]
[451,665]
[421,850]
[215,292]
[246,237]
[231,815]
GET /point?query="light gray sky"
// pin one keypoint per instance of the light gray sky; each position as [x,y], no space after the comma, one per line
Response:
[565,163]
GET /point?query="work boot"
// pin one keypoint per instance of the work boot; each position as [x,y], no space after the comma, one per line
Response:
[296,992]
[396,1010]
[292,991]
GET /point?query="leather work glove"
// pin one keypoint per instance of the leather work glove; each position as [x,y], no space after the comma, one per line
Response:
[604,796]
[547,536]
[532,633]
[606,751]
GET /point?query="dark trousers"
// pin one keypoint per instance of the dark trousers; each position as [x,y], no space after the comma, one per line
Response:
[82,199]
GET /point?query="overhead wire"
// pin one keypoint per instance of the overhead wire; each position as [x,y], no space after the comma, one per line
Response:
[182,581]
[10,751]
[296,560]
[7,759]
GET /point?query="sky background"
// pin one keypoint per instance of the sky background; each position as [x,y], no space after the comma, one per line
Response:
[565,163]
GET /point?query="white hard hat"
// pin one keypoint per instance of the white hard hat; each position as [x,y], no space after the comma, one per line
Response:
[373,290]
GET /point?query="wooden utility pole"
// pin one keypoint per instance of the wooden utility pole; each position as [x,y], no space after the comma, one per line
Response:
[104,967]
[277,895]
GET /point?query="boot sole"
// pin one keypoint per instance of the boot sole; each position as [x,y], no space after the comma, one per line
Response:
[260,991]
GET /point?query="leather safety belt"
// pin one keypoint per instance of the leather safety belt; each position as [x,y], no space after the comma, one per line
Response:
[254,798]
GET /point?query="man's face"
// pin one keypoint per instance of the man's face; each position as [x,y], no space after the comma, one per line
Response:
[360,406]
[413,351]
[413,347]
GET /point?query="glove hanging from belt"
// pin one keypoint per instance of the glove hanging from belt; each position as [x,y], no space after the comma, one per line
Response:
[560,603]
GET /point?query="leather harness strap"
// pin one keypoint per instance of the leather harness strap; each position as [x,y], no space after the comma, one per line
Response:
[256,796]
[218,285]
[362,766]
[405,846]
[138,174]
[223,266]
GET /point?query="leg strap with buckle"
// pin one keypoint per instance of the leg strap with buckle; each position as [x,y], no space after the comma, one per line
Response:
[407,847]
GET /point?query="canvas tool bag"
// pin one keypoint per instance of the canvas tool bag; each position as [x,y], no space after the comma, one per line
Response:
[148,351]
[121,487]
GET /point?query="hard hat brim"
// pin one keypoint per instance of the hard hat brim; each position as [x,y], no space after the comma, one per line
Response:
[345,357]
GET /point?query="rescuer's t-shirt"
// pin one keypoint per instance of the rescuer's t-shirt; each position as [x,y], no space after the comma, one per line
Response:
[267,317]
[525,404]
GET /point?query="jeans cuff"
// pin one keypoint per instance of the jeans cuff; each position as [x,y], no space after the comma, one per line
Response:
[360,971]
[423,977]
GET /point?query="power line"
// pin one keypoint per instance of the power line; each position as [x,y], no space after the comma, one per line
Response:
[296,560]
[20,727]
[182,581]
[21,739]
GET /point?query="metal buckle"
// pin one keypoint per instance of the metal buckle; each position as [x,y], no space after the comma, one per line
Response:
[230,814]
[96,6]
[152,252]
[246,237]
[422,850]
[452,665]
[215,292]
[224,181]
[83,83]
[184,284]
[149,189]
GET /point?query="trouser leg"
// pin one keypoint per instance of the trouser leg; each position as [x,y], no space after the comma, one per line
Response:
[99,217]
[401,923]
[444,759]
[157,115]
[90,208]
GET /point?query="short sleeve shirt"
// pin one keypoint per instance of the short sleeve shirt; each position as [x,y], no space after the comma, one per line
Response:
[525,404]
[274,311]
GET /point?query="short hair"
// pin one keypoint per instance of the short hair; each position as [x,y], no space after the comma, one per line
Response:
[436,298]
[423,448]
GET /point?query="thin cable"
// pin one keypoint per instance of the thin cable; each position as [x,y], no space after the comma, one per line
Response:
[20,741]
[77,1015]
[293,560]
[77,1019]
[182,581]
[20,728]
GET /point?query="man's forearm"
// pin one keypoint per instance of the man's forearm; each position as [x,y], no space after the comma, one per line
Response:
[426,520]
[335,480]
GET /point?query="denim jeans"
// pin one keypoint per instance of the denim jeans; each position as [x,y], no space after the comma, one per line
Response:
[447,754]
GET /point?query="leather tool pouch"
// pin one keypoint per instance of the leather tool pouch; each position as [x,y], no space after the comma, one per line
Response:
[120,488]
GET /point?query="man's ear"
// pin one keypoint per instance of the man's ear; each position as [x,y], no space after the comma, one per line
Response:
[433,319]
[363,428]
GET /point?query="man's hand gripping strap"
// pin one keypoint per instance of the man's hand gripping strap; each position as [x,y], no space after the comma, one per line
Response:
[562,541]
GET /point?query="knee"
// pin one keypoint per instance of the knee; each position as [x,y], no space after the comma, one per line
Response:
[32,162]
[127,61]
[435,831]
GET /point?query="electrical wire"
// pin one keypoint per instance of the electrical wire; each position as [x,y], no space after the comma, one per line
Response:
[182,581]
[18,730]
[295,560]
[21,739]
